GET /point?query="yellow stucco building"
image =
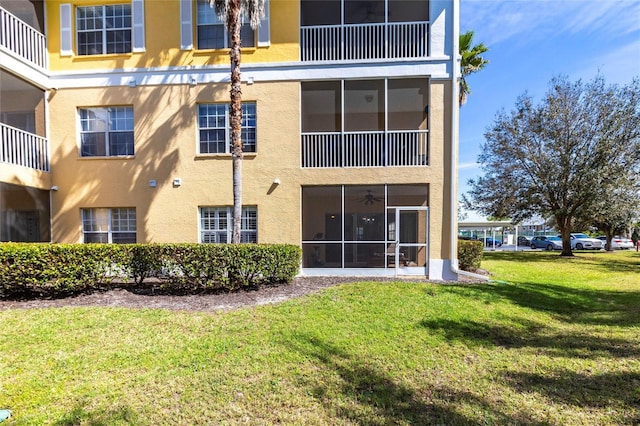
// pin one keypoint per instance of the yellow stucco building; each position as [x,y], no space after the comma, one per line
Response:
[115,128]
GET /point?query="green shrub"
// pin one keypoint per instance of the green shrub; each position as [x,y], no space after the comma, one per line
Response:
[469,255]
[28,270]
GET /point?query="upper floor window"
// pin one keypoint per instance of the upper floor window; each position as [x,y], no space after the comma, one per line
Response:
[106,132]
[103,29]
[212,33]
[115,225]
[216,224]
[214,128]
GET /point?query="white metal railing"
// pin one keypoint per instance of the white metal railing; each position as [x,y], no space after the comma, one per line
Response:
[22,39]
[396,148]
[23,148]
[395,40]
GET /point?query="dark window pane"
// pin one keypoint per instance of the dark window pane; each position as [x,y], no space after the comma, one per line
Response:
[363,11]
[211,36]
[92,145]
[101,237]
[364,105]
[123,237]
[321,110]
[321,255]
[90,43]
[319,12]
[119,41]
[322,213]
[121,143]
[247,36]
[408,11]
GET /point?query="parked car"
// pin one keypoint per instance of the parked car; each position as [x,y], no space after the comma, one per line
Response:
[584,242]
[546,243]
[617,242]
[524,241]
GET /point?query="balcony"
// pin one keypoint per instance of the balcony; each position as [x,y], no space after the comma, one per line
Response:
[23,148]
[402,40]
[400,148]
[22,40]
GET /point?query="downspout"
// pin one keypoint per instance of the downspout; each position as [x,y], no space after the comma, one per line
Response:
[455,118]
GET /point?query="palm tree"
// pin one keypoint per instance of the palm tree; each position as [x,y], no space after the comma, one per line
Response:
[231,11]
[470,62]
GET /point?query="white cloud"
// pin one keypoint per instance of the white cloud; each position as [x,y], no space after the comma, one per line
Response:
[531,20]
[616,64]
[468,166]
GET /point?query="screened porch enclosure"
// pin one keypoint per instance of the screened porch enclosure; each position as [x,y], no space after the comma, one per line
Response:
[340,30]
[373,226]
[25,214]
[365,123]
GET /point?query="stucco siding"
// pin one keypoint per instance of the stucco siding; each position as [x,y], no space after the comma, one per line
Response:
[162,40]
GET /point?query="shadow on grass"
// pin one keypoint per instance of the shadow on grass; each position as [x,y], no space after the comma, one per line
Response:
[620,391]
[600,259]
[527,334]
[80,414]
[366,395]
[572,305]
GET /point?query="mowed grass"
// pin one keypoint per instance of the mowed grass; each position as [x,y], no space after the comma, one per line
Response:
[552,341]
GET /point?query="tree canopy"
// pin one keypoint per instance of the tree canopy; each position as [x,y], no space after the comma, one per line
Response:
[470,62]
[561,157]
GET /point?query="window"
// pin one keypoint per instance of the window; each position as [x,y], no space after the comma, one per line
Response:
[104,29]
[216,224]
[212,33]
[115,225]
[214,128]
[106,132]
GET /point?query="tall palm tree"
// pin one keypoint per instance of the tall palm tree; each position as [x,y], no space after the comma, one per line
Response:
[231,12]
[470,62]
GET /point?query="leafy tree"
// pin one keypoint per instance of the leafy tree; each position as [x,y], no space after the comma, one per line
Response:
[231,11]
[462,215]
[558,158]
[614,212]
[470,62]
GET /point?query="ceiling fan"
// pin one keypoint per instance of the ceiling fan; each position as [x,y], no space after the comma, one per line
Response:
[369,198]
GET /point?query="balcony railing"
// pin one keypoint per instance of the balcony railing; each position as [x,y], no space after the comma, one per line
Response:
[402,40]
[22,39]
[365,149]
[23,148]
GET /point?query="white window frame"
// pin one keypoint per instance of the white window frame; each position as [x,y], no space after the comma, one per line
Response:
[218,228]
[109,128]
[211,19]
[249,116]
[107,222]
[103,30]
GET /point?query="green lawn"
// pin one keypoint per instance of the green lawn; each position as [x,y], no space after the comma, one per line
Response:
[551,341]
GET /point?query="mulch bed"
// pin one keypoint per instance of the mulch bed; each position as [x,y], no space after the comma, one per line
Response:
[130,298]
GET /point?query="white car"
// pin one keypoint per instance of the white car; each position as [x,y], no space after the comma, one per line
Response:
[617,242]
[585,242]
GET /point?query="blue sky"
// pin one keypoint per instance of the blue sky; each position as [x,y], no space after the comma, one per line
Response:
[531,41]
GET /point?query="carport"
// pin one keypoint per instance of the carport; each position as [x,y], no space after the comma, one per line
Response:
[489,229]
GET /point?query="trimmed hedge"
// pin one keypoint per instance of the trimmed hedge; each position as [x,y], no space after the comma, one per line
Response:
[469,255]
[28,270]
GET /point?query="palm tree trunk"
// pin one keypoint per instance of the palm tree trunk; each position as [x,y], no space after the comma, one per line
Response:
[235,113]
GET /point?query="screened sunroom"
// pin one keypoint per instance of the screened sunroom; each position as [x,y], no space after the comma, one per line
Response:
[365,229]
